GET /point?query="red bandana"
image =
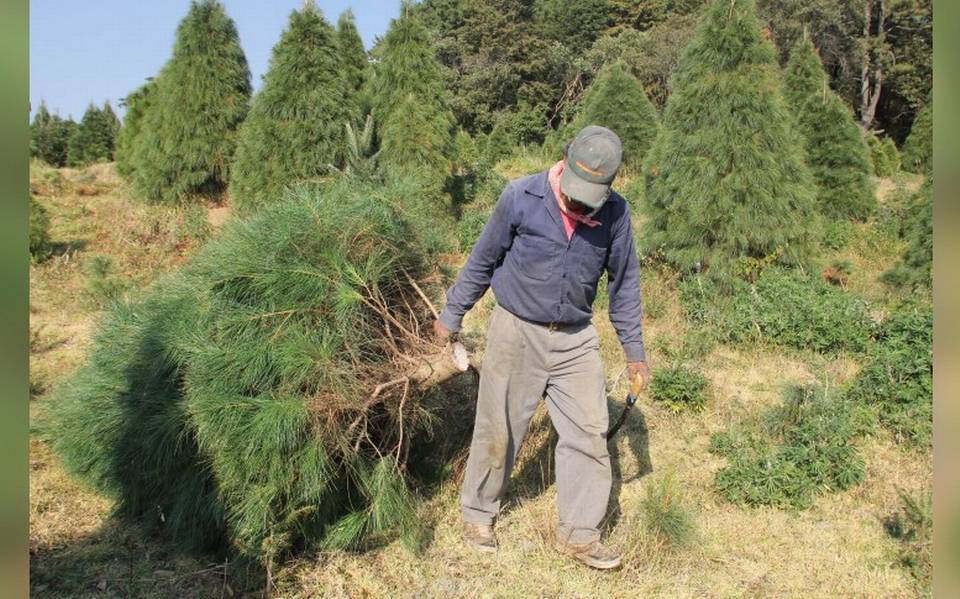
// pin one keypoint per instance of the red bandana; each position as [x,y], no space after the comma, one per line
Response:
[570,218]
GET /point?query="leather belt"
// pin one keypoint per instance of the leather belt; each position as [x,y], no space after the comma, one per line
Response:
[550,326]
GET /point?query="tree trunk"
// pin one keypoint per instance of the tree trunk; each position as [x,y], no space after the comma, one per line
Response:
[434,370]
[871,75]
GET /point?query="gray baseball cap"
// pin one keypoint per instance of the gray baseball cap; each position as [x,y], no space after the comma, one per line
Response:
[593,158]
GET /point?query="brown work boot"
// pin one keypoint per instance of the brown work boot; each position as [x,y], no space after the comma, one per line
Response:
[480,536]
[595,554]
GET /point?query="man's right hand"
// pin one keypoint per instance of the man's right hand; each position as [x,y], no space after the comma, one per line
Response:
[441,332]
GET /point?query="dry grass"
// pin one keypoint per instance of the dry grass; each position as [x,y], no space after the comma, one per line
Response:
[837,548]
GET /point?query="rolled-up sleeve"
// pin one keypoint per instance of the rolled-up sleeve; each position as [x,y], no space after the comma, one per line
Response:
[623,286]
[474,279]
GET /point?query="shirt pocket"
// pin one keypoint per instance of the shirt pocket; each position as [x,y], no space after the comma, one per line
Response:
[535,256]
[592,261]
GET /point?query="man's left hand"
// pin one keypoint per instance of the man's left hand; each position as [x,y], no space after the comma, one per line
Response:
[639,369]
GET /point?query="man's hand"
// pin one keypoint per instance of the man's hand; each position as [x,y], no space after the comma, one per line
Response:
[639,369]
[441,332]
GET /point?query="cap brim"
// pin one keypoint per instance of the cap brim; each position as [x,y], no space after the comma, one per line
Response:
[585,192]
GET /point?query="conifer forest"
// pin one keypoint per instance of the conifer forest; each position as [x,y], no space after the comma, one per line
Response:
[234,386]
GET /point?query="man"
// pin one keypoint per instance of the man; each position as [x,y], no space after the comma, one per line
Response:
[550,238]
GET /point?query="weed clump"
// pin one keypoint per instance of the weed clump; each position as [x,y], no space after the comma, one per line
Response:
[679,388]
[795,452]
[785,308]
[665,514]
[897,380]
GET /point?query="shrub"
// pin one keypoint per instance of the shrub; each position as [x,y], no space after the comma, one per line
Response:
[785,308]
[897,379]
[918,148]
[295,128]
[39,231]
[916,267]
[797,451]
[666,516]
[188,134]
[238,398]
[679,388]
[836,234]
[726,179]
[891,217]
[912,525]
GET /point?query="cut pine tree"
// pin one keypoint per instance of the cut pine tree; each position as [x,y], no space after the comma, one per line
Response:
[275,391]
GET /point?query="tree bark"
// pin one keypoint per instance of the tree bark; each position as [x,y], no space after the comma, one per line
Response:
[871,85]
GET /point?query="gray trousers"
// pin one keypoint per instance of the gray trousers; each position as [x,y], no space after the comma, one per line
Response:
[523,361]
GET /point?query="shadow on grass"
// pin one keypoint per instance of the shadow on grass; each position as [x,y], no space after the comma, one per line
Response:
[124,560]
[59,248]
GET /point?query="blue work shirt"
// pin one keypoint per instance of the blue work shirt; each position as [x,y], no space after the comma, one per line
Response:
[539,275]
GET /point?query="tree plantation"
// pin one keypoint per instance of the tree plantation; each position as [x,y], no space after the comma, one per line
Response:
[259,401]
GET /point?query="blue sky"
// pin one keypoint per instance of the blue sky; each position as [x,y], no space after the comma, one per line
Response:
[97,50]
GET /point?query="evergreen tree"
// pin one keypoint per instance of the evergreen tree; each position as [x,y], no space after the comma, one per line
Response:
[39,127]
[61,132]
[837,153]
[574,24]
[496,59]
[137,103]
[804,75]
[616,100]
[353,58]
[884,155]
[416,136]
[918,149]
[296,124]
[93,139]
[726,181]
[409,100]
[50,136]
[111,126]
[188,136]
